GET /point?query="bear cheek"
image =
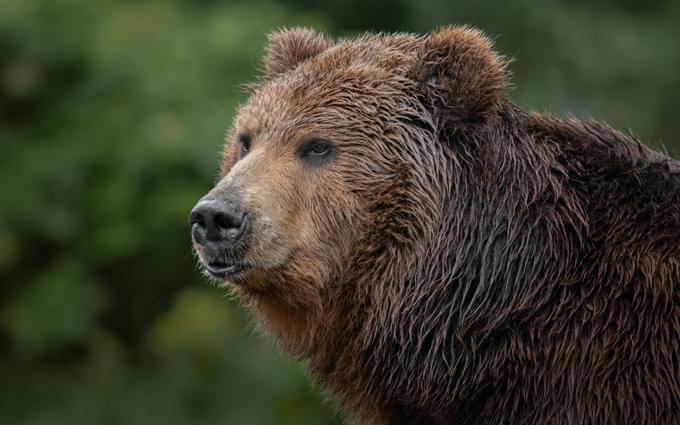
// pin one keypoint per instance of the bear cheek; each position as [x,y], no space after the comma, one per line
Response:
[334,224]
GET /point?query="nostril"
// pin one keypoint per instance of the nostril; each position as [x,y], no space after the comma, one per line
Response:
[196,218]
[228,221]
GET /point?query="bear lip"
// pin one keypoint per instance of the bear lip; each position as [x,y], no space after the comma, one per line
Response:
[222,270]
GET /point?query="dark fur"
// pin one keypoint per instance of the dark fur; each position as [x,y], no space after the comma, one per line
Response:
[501,267]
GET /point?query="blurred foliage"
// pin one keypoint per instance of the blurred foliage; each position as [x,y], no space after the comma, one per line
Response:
[111,117]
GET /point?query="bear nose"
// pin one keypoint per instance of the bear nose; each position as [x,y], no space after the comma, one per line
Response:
[217,220]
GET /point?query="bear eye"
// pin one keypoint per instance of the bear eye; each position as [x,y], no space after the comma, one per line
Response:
[317,151]
[245,141]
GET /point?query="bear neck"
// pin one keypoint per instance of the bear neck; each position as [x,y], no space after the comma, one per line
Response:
[521,243]
[413,325]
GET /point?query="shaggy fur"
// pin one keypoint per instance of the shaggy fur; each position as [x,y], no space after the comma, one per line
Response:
[460,261]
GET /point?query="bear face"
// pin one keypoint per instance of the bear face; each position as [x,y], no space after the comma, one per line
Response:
[322,162]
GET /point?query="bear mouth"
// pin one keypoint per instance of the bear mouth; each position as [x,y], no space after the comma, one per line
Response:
[223,270]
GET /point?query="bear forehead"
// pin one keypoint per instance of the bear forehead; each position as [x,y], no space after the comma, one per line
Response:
[348,79]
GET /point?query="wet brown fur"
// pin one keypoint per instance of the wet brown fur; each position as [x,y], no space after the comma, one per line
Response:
[461,261]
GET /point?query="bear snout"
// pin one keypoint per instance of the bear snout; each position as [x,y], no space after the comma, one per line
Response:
[218,227]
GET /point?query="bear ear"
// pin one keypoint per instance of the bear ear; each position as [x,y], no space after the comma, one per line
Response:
[463,78]
[287,48]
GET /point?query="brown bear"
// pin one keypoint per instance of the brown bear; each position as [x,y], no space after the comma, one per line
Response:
[438,255]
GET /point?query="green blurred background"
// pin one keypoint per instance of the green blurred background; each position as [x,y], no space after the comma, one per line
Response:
[112,114]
